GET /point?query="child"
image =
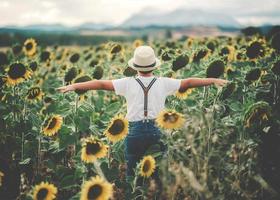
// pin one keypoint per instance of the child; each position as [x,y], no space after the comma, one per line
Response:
[145,96]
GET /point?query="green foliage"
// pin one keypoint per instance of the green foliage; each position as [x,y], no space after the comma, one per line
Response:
[215,156]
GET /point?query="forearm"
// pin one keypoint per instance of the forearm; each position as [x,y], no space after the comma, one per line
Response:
[93,85]
[196,82]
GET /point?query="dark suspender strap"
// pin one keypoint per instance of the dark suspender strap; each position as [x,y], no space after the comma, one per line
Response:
[146,90]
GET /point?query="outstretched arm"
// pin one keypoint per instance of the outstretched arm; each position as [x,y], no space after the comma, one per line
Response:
[88,85]
[199,82]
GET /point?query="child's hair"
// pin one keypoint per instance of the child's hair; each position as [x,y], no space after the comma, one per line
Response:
[147,72]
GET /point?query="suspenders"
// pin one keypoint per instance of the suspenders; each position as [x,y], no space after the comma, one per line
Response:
[146,90]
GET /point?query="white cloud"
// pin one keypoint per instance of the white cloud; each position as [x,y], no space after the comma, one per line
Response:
[73,12]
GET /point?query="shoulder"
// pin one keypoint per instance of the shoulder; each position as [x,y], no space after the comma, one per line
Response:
[167,79]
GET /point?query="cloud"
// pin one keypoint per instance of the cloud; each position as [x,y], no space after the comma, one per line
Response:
[74,12]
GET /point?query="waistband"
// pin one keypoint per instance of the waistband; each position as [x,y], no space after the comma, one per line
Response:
[150,121]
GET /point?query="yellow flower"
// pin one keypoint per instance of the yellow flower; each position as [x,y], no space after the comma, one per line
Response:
[147,166]
[17,73]
[29,47]
[44,191]
[1,178]
[93,149]
[256,113]
[137,43]
[170,119]
[228,70]
[184,94]
[34,93]
[96,188]
[118,128]
[52,125]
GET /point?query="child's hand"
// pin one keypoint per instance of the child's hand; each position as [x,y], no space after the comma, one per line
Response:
[220,82]
[64,89]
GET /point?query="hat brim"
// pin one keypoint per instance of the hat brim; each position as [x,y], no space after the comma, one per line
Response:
[143,69]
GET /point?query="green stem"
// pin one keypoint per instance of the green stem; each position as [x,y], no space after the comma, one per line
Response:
[213,121]
[39,154]
[75,111]
[99,170]
[22,133]
[109,155]
[14,105]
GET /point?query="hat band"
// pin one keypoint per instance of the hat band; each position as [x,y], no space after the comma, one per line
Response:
[140,66]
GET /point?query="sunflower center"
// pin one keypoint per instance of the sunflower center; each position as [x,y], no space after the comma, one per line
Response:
[29,46]
[170,117]
[33,93]
[42,194]
[16,70]
[52,123]
[45,56]
[94,192]
[117,127]
[93,148]
[146,166]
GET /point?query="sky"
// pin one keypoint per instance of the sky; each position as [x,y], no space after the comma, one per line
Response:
[75,12]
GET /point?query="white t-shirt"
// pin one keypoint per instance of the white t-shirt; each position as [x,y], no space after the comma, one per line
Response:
[133,92]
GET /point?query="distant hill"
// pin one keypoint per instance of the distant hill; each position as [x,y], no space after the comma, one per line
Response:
[179,18]
[59,27]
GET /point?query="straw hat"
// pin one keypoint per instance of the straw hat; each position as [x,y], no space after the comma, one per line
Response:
[144,59]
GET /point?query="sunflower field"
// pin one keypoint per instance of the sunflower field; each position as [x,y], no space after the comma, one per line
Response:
[223,143]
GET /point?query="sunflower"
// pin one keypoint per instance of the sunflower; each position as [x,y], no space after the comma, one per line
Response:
[98,72]
[46,56]
[147,166]
[74,58]
[255,49]
[44,191]
[34,93]
[180,62]
[93,63]
[3,81]
[229,52]
[1,178]
[16,48]
[29,47]
[215,69]
[116,48]
[52,125]
[70,74]
[256,113]
[189,41]
[165,56]
[93,149]
[211,46]
[184,94]
[228,90]
[170,74]
[33,66]
[137,43]
[17,73]
[199,55]
[229,70]
[253,75]
[96,188]
[170,119]
[117,129]
[129,72]
[80,80]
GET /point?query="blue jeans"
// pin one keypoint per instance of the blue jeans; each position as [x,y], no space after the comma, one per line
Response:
[141,136]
